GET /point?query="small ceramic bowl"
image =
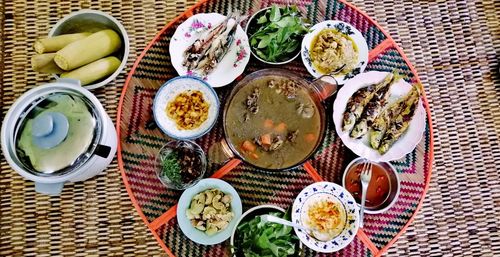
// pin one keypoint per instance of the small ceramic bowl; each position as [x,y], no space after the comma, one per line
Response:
[252,22]
[184,146]
[169,91]
[256,211]
[349,31]
[393,180]
[93,21]
[326,191]
[184,202]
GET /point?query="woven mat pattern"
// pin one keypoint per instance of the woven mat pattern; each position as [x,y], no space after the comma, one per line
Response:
[140,142]
[449,42]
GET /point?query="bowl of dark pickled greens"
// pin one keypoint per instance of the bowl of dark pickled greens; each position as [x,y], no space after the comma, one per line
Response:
[180,164]
[275,34]
[253,237]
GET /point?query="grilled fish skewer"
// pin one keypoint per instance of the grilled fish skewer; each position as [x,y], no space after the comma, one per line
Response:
[374,106]
[397,122]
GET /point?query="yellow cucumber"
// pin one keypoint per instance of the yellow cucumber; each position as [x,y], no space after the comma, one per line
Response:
[94,71]
[87,50]
[44,63]
[53,44]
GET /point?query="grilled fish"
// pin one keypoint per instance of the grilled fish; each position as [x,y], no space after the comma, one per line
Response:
[209,50]
[197,50]
[374,106]
[396,121]
[356,105]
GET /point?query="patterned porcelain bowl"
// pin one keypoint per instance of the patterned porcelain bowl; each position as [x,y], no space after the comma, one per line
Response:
[331,192]
[348,31]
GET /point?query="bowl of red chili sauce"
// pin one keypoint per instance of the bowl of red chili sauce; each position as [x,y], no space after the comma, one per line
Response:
[383,189]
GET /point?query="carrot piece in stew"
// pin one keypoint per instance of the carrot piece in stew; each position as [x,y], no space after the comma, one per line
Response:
[268,123]
[248,146]
[310,137]
[266,139]
[281,128]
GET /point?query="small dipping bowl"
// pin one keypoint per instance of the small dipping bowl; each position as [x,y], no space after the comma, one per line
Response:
[93,21]
[181,146]
[385,171]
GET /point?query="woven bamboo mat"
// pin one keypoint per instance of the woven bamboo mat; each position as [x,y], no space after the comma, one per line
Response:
[448,42]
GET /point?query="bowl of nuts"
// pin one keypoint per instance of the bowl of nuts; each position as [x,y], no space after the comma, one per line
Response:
[208,211]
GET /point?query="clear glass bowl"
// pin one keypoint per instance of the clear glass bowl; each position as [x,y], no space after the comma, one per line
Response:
[180,164]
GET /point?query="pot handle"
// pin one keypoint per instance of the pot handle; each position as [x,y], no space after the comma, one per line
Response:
[220,152]
[52,189]
[326,86]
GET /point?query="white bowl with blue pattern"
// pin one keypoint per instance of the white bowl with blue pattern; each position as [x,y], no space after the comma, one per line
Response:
[349,31]
[332,192]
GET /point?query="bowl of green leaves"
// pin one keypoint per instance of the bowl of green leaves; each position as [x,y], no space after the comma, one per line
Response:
[180,164]
[275,34]
[253,237]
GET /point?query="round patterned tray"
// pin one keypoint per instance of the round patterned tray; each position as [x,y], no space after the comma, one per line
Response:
[140,141]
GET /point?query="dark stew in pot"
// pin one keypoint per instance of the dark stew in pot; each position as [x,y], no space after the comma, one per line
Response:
[273,122]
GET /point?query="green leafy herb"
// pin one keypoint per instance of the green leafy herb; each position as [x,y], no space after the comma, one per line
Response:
[171,168]
[256,238]
[277,34]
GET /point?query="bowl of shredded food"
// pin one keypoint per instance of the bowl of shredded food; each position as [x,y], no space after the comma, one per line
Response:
[331,215]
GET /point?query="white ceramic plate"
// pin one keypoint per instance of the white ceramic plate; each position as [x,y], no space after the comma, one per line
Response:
[406,143]
[169,91]
[232,65]
[348,30]
[333,192]
[199,236]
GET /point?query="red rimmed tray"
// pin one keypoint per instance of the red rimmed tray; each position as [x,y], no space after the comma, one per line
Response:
[139,144]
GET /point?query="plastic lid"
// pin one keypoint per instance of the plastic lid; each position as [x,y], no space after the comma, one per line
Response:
[56,133]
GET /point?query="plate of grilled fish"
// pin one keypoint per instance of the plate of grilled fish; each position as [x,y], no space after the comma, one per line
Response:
[379,116]
[212,47]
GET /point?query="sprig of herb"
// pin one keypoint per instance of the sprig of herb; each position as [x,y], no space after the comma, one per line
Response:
[279,33]
[171,168]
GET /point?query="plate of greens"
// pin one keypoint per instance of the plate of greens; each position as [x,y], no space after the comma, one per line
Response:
[253,237]
[275,34]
